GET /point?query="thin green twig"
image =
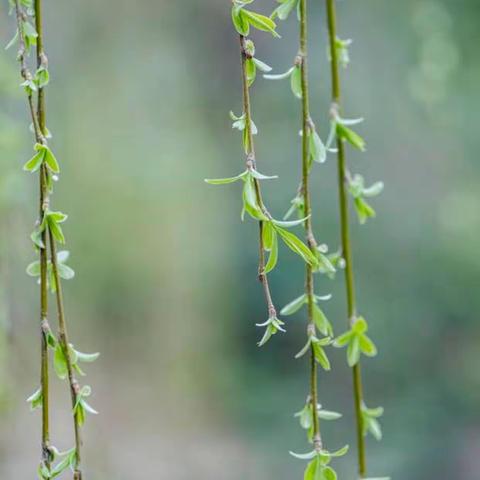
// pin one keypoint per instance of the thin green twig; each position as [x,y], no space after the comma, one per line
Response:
[309,282]
[345,234]
[251,163]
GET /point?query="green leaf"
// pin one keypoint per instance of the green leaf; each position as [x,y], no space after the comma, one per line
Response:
[294,305]
[317,150]
[29,30]
[36,161]
[304,349]
[321,321]
[292,223]
[260,176]
[304,456]
[42,77]
[43,472]
[65,271]
[53,219]
[269,331]
[360,325]
[280,76]
[340,452]
[273,257]
[305,417]
[373,190]
[224,181]
[325,264]
[240,23]
[321,356]
[51,340]
[60,362]
[363,209]
[273,325]
[353,351]
[329,473]
[57,231]
[260,22]
[262,66]
[375,429]
[284,10]
[86,357]
[342,51]
[345,133]
[296,81]
[373,412]
[267,235]
[51,161]
[313,470]
[33,270]
[328,415]
[251,71]
[370,422]
[13,41]
[250,203]
[35,400]
[367,346]
[29,85]
[297,246]
[68,461]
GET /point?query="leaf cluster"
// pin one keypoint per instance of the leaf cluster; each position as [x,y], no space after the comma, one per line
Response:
[357,342]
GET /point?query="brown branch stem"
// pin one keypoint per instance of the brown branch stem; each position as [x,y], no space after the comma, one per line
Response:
[251,163]
[64,342]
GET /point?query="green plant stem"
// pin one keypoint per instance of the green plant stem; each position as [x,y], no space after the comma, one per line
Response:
[251,164]
[345,235]
[63,339]
[43,200]
[25,72]
[39,127]
[309,283]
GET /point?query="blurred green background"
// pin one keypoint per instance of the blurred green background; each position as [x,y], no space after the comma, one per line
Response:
[165,287]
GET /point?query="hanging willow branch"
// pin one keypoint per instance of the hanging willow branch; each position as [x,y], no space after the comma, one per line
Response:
[48,231]
[27,36]
[253,204]
[313,150]
[355,339]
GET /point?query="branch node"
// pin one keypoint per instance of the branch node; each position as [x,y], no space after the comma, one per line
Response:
[311,330]
[317,443]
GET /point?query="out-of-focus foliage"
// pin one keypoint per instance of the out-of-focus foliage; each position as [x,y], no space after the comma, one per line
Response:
[139,104]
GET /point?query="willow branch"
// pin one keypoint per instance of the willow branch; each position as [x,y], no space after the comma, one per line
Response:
[24,70]
[43,251]
[251,164]
[309,282]
[62,327]
[64,342]
[345,234]
[43,201]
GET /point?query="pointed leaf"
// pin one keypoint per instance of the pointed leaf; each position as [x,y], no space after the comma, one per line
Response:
[294,305]
[353,351]
[296,81]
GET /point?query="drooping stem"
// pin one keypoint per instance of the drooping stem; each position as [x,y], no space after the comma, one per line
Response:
[345,233]
[37,122]
[43,251]
[309,282]
[24,71]
[251,163]
[63,339]
[40,130]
